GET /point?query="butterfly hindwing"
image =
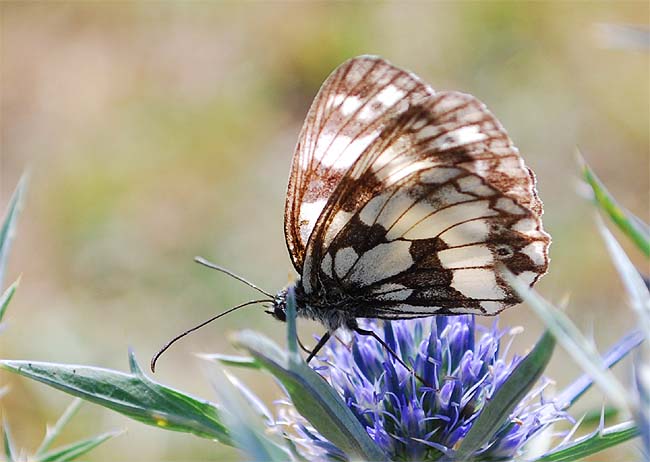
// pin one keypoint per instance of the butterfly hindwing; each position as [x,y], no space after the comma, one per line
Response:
[417,223]
[426,247]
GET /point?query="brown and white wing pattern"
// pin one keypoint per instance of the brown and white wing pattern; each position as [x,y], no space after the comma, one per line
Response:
[418,223]
[356,104]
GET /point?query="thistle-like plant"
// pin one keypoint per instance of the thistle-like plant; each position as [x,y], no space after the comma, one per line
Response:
[467,397]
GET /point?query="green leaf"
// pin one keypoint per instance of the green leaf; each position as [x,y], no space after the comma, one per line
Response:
[254,403]
[312,397]
[134,395]
[246,428]
[592,443]
[632,226]
[567,397]
[52,432]
[8,443]
[310,394]
[632,280]
[569,336]
[506,398]
[595,417]
[245,362]
[77,449]
[292,327]
[6,297]
[9,224]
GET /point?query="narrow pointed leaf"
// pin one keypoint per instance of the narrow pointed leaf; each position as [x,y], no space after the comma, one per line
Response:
[232,360]
[252,400]
[506,398]
[246,428]
[594,417]
[7,442]
[592,443]
[9,225]
[312,397]
[292,328]
[634,285]
[575,390]
[52,432]
[569,336]
[77,449]
[6,298]
[134,395]
[642,381]
[632,226]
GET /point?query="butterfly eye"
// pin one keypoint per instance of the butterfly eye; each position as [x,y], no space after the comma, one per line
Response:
[279,314]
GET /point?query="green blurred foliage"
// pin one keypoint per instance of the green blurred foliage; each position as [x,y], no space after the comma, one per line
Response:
[158,131]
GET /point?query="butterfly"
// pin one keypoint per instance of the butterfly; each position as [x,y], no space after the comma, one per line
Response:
[402,202]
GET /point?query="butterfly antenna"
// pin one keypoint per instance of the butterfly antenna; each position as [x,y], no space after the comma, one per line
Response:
[189,331]
[204,262]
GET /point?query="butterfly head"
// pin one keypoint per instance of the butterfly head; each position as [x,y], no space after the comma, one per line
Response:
[279,308]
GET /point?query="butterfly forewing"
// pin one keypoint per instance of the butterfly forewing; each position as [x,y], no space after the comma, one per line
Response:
[358,101]
[406,209]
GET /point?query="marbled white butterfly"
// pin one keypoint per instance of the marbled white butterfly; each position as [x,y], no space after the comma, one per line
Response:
[402,201]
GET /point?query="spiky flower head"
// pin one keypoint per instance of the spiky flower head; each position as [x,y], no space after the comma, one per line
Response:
[410,420]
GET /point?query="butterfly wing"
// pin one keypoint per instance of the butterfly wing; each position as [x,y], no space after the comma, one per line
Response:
[418,223]
[358,101]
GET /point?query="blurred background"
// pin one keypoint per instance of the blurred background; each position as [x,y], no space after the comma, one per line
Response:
[154,132]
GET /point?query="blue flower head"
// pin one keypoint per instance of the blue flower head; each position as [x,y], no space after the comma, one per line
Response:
[414,421]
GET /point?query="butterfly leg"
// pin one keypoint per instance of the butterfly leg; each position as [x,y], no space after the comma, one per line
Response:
[392,352]
[321,343]
[302,346]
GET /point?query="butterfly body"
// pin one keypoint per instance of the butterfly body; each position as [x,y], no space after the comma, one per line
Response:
[333,313]
[403,202]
